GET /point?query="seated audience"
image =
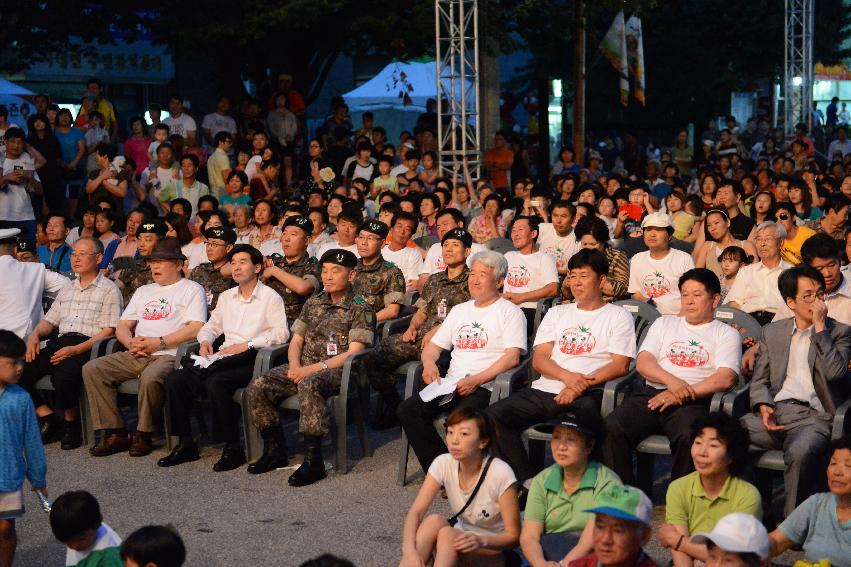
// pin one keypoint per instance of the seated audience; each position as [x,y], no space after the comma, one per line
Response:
[593,235]
[824,254]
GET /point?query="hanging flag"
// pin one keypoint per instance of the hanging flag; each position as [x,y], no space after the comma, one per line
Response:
[635,53]
[613,47]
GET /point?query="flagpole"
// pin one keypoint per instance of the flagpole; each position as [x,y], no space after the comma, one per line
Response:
[579,85]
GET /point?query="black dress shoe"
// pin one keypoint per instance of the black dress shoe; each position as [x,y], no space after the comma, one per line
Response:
[179,455]
[307,474]
[72,437]
[268,462]
[232,458]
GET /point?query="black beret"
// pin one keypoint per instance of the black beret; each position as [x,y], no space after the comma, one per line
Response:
[375,227]
[341,257]
[154,226]
[26,246]
[303,223]
[221,233]
[459,234]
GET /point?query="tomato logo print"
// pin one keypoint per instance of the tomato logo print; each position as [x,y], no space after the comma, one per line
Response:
[559,256]
[439,264]
[518,276]
[656,285]
[575,341]
[687,354]
[156,309]
[471,337]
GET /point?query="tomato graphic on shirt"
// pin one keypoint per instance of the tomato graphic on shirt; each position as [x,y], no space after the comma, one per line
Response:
[656,285]
[156,309]
[518,276]
[576,340]
[471,337]
[687,354]
[558,254]
[439,264]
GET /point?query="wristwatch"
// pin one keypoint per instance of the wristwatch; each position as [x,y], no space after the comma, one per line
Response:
[250,345]
[163,346]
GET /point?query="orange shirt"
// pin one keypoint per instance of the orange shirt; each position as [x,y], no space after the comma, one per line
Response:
[499,162]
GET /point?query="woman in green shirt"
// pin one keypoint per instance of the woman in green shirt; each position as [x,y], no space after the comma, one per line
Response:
[555,518]
[697,501]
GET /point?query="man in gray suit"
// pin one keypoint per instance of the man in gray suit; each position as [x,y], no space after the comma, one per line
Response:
[798,382]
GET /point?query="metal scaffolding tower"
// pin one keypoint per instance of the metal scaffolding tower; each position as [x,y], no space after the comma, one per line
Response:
[458,124]
[798,64]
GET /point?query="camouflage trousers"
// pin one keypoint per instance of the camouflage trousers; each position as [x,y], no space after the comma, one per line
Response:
[266,393]
[392,352]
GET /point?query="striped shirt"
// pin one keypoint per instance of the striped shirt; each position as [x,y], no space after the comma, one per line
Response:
[86,310]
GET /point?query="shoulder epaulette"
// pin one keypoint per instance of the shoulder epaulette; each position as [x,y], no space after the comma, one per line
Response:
[389,264]
[359,300]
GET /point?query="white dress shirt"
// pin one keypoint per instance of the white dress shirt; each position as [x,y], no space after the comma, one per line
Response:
[261,318]
[799,380]
[755,289]
[21,288]
[839,301]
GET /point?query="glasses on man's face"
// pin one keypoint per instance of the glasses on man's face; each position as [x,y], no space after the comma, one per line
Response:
[209,244]
[811,296]
[82,254]
[368,238]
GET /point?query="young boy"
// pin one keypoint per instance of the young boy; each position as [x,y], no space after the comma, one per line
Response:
[161,132]
[153,546]
[384,181]
[76,521]
[21,451]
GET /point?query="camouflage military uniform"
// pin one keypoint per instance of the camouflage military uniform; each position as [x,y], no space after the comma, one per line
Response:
[350,320]
[381,284]
[305,267]
[212,281]
[134,278]
[393,352]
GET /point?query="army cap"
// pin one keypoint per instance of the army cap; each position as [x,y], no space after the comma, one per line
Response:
[340,257]
[26,246]
[154,226]
[459,234]
[301,222]
[221,233]
[375,227]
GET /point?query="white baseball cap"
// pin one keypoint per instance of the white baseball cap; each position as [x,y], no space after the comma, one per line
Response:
[657,220]
[737,533]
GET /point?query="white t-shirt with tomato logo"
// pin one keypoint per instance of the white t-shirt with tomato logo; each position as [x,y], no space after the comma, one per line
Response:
[528,272]
[658,279]
[163,309]
[478,336]
[583,341]
[434,258]
[692,352]
[561,248]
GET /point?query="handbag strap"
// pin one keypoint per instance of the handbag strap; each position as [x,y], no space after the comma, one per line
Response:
[475,491]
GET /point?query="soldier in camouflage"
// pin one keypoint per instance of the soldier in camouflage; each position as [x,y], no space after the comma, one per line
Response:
[332,325]
[379,282]
[295,275]
[220,241]
[131,279]
[442,291]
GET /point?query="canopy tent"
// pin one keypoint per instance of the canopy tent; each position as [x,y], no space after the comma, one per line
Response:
[17,100]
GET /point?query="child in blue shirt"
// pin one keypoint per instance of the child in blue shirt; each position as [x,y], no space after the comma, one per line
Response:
[21,451]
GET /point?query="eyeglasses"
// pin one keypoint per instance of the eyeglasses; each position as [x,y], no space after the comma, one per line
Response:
[209,244]
[811,296]
[367,238]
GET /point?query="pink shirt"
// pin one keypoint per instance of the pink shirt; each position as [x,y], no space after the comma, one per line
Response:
[137,150]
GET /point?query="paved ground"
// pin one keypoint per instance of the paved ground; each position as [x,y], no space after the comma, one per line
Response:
[234,518]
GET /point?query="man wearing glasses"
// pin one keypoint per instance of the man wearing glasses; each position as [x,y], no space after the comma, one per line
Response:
[220,241]
[378,281]
[85,311]
[798,382]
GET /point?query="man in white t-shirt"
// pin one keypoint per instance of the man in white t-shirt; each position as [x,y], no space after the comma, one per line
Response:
[684,361]
[178,121]
[188,187]
[218,121]
[653,274]
[556,238]
[18,178]
[408,258]
[447,219]
[487,336]
[531,274]
[347,228]
[158,318]
[578,348]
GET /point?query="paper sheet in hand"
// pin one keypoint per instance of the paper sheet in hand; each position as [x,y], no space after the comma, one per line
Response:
[435,389]
[205,361]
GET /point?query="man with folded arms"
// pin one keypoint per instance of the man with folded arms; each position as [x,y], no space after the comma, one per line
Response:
[295,275]
[158,318]
[251,317]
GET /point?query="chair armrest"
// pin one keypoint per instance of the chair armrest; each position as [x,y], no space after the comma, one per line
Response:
[395,326]
[510,380]
[101,347]
[189,347]
[268,357]
[614,388]
[351,360]
[113,346]
[736,401]
[415,374]
[839,420]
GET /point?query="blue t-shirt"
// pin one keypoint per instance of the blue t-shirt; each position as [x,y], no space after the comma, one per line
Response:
[814,526]
[61,258]
[68,142]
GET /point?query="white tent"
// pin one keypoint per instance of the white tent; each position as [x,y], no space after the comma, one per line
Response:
[14,98]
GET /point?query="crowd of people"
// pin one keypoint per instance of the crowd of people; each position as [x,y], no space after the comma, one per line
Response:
[252,234]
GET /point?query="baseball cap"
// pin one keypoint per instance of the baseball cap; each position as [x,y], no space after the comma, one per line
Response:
[221,233]
[375,227]
[303,223]
[625,502]
[656,220]
[589,424]
[459,234]
[737,533]
[340,257]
